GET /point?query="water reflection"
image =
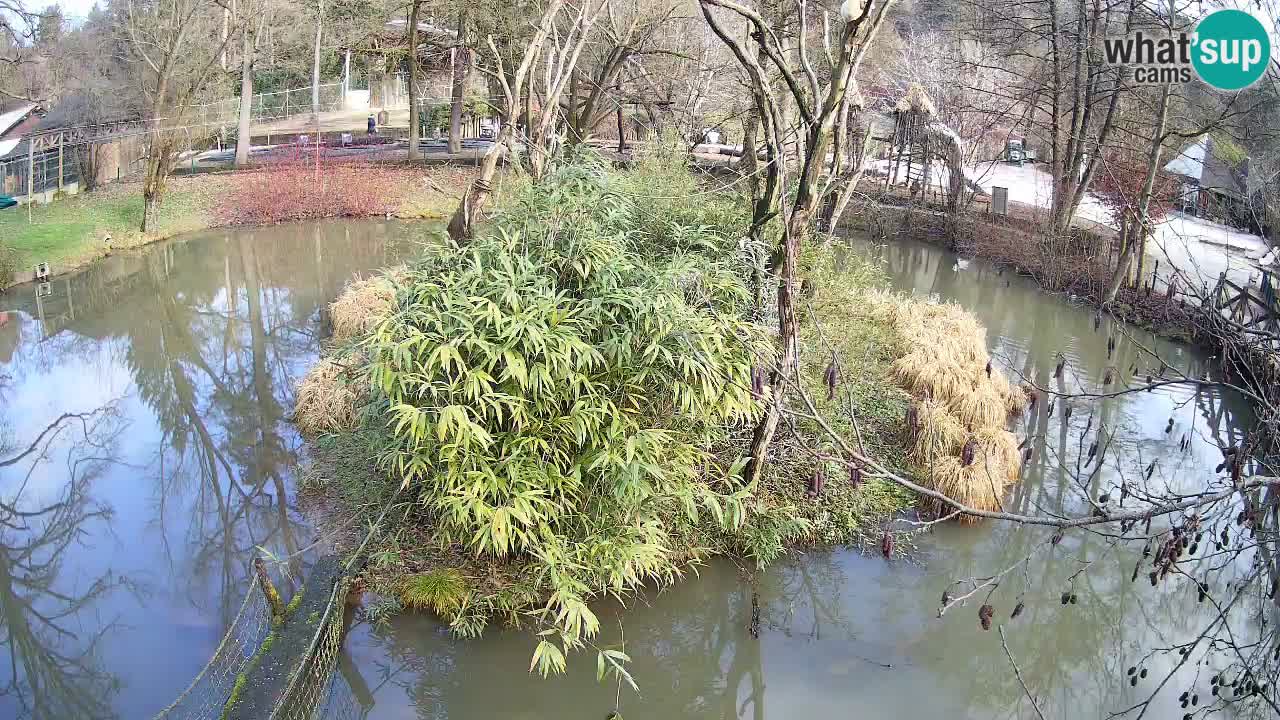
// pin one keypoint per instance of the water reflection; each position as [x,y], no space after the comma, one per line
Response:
[847,635]
[57,672]
[197,344]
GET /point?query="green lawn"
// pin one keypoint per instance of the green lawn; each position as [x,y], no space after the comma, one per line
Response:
[71,230]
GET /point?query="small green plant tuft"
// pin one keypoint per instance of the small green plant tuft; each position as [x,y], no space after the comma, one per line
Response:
[441,591]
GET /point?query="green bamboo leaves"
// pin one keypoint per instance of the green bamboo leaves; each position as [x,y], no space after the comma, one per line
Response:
[555,394]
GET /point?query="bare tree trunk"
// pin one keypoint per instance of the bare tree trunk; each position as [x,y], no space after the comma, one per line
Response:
[622,132]
[462,224]
[461,70]
[243,133]
[415,112]
[315,69]
[1141,224]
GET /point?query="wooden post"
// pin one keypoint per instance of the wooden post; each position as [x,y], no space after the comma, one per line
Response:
[268,589]
[60,144]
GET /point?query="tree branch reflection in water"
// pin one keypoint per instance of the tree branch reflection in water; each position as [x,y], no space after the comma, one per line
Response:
[53,670]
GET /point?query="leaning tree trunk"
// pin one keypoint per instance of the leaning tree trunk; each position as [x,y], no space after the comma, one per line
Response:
[462,225]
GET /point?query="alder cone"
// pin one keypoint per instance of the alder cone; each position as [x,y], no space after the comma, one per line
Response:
[984,616]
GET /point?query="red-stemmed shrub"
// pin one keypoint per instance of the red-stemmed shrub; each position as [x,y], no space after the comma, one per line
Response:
[298,185]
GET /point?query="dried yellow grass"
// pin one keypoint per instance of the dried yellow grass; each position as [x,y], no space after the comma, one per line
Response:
[997,450]
[362,305]
[942,360]
[939,433]
[977,486]
[328,398]
[981,407]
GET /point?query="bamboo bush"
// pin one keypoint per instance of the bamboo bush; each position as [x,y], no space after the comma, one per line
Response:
[552,399]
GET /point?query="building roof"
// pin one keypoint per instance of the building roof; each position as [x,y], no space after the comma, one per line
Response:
[1202,163]
[11,118]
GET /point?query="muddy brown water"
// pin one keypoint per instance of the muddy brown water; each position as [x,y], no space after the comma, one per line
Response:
[139,519]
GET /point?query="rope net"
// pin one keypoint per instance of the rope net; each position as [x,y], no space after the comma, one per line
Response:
[208,693]
[311,687]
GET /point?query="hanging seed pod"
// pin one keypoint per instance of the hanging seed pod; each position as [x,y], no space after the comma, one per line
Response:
[1057,370]
[1109,376]
[946,597]
[1017,610]
[1057,537]
[1136,567]
[1168,428]
[886,545]
[1221,466]
[1226,537]
[1132,670]
[1066,598]
[1074,598]
[830,378]
[1088,425]
[968,452]
[815,485]
[988,368]
[1066,411]
[984,616]
[1151,469]
[1146,527]
[1111,346]
[1133,682]
[1193,548]
[1104,498]
[855,476]
[1026,455]
[1154,577]
[1051,404]
[1146,549]
[1143,674]
[1093,452]
[1202,591]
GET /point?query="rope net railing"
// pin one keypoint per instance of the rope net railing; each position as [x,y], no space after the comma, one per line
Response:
[214,685]
[314,688]
[313,684]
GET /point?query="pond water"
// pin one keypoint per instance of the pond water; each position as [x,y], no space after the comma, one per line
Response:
[116,583]
[125,535]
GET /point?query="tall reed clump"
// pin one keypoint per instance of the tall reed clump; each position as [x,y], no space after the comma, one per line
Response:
[552,397]
[958,422]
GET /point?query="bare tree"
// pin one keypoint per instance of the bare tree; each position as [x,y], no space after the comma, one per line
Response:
[170,43]
[818,106]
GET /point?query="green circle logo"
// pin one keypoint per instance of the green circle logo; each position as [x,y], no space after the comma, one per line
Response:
[1232,49]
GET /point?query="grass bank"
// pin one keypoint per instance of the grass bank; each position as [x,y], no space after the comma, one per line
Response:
[561,407]
[72,232]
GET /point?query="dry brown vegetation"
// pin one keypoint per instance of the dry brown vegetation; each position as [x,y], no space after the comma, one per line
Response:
[962,404]
[363,304]
[329,395]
